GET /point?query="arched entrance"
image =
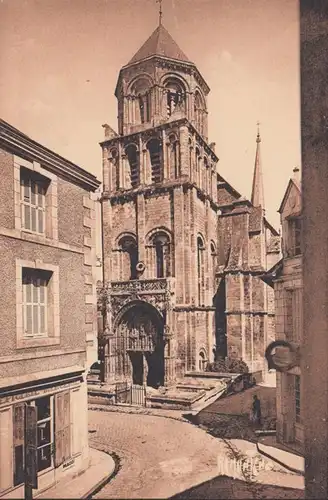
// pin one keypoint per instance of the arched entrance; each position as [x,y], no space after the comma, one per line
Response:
[139,347]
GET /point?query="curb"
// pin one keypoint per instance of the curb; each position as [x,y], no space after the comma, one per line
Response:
[95,488]
[104,408]
[279,462]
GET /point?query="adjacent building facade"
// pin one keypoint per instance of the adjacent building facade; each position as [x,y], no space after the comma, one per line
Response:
[48,328]
[286,278]
[182,250]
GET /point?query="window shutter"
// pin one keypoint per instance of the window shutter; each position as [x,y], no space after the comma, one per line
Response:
[18,444]
[62,428]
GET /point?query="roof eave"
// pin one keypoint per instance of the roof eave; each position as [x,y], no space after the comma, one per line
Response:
[163,58]
[17,142]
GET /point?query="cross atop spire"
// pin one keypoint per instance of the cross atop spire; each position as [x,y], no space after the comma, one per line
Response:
[258,138]
[160,11]
[257,198]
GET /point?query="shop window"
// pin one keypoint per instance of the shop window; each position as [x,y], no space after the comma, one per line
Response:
[44,432]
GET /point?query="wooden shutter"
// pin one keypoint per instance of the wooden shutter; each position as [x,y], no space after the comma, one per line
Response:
[62,428]
[18,442]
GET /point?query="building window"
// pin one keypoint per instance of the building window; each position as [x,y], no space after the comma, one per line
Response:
[140,103]
[133,159]
[45,436]
[198,168]
[173,148]
[161,244]
[298,398]
[144,108]
[33,201]
[115,168]
[200,270]
[295,232]
[199,113]
[175,97]
[213,259]
[129,258]
[202,362]
[35,302]
[155,152]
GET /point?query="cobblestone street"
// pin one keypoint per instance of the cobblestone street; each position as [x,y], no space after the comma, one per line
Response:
[159,457]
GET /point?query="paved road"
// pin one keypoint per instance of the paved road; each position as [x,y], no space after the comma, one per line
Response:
[160,457]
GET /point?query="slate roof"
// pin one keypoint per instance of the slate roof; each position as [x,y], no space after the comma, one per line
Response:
[160,43]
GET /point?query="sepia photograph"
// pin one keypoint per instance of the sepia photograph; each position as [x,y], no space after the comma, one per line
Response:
[164,249]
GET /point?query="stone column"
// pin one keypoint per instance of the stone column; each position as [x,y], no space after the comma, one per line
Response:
[142,172]
[105,170]
[183,158]
[314,134]
[141,222]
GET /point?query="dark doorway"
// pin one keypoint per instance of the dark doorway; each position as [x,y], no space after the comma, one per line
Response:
[137,368]
[221,321]
[155,362]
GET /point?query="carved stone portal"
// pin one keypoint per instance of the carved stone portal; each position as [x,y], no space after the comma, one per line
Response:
[137,347]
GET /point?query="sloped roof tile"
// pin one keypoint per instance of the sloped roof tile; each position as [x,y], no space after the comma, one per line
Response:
[160,43]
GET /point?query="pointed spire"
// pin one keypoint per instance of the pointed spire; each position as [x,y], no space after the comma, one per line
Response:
[160,43]
[258,189]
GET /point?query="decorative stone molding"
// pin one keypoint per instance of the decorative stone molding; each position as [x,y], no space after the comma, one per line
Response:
[157,292]
[89,250]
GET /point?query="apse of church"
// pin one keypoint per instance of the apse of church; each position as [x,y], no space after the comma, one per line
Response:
[161,220]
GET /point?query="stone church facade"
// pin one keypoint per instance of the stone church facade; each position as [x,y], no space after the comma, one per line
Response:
[181,248]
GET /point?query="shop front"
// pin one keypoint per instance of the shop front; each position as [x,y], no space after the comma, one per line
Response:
[59,405]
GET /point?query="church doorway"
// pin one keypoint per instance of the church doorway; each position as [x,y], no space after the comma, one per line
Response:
[137,367]
[139,346]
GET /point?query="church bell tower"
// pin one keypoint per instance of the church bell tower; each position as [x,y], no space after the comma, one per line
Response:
[159,219]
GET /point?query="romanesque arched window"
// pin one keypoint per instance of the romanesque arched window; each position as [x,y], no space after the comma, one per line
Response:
[201,270]
[129,253]
[202,360]
[213,260]
[173,148]
[115,168]
[161,243]
[132,154]
[140,95]
[190,157]
[155,153]
[175,96]
[199,111]
[198,167]
[159,253]
[205,174]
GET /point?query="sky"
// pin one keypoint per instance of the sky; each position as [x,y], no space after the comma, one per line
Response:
[60,61]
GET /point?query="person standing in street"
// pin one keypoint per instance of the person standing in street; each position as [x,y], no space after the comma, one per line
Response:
[256,410]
